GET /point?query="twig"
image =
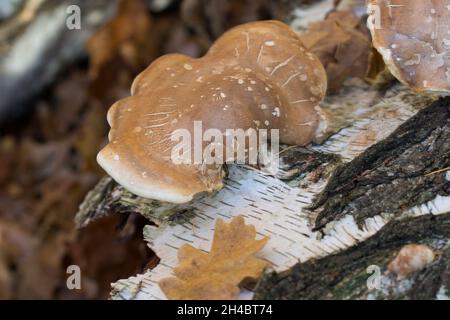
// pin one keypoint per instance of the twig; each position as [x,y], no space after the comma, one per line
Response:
[437,171]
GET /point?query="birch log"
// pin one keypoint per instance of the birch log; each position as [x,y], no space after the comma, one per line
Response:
[378,173]
[378,181]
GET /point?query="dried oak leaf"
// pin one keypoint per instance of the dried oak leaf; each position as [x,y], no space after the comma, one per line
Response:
[217,275]
[210,19]
[127,37]
[342,44]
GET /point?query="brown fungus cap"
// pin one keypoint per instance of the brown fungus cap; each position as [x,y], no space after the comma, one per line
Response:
[257,75]
[414,38]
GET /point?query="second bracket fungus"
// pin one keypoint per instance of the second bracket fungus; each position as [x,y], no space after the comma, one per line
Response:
[414,39]
[256,76]
[411,258]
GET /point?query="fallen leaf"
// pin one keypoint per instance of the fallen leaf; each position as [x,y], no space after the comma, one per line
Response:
[342,44]
[217,275]
[126,36]
[106,254]
[210,19]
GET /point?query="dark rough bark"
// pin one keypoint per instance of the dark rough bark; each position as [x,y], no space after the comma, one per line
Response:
[344,275]
[109,197]
[96,203]
[297,162]
[389,177]
[394,174]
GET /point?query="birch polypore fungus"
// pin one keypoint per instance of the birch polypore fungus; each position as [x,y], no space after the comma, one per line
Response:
[414,40]
[256,76]
[411,258]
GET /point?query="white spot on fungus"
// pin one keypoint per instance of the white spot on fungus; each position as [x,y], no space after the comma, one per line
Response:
[187,66]
[276,112]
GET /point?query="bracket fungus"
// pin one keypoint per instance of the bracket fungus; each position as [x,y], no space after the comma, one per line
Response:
[255,76]
[414,39]
[411,258]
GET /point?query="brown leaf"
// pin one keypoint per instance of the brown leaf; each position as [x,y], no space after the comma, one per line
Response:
[106,255]
[210,19]
[217,275]
[343,46]
[125,37]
